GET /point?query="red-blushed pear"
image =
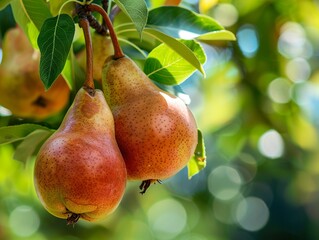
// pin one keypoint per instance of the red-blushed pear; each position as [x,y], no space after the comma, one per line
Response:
[155,130]
[21,89]
[79,171]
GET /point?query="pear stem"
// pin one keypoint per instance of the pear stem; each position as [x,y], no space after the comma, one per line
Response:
[85,25]
[118,53]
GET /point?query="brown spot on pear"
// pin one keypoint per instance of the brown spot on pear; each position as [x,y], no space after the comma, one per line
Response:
[21,89]
[155,130]
[79,171]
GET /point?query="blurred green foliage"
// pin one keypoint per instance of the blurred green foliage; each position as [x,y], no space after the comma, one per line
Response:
[258,110]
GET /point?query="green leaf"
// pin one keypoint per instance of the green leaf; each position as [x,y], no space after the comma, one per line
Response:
[198,161]
[37,11]
[55,40]
[217,35]
[30,144]
[136,10]
[11,134]
[181,23]
[4,3]
[68,72]
[56,6]
[178,47]
[24,21]
[165,66]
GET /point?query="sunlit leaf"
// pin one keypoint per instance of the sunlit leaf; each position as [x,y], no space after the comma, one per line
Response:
[55,41]
[181,23]
[68,72]
[11,134]
[198,161]
[165,66]
[56,7]
[24,21]
[37,11]
[30,144]
[178,47]
[217,35]
[136,10]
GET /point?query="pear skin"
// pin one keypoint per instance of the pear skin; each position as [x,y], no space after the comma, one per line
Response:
[79,171]
[155,130]
[21,89]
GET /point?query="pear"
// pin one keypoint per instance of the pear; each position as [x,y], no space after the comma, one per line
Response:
[155,130]
[21,89]
[102,49]
[79,171]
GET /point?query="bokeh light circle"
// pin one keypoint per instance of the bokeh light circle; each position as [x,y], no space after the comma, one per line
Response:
[252,214]
[306,95]
[224,182]
[248,40]
[24,221]
[298,70]
[224,211]
[226,14]
[246,165]
[279,90]
[293,43]
[167,218]
[271,144]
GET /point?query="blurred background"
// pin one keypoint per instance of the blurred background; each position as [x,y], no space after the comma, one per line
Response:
[258,110]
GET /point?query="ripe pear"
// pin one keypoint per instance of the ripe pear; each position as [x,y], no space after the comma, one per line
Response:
[155,130]
[102,49]
[21,89]
[79,171]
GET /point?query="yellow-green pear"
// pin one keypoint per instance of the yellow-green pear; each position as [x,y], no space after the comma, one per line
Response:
[102,49]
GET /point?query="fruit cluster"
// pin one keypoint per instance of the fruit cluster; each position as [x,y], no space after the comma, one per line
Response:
[132,130]
[82,169]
